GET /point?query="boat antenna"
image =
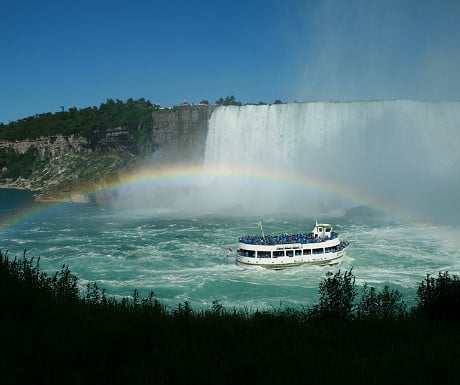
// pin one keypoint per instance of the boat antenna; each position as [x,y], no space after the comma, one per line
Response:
[261,228]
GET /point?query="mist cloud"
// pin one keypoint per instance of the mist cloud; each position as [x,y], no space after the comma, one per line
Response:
[360,50]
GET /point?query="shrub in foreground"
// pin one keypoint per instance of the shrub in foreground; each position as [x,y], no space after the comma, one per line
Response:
[65,337]
[439,298]
[386,304]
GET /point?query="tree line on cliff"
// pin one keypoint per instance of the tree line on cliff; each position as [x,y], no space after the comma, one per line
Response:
[50,333]
[132,121]
[133,115]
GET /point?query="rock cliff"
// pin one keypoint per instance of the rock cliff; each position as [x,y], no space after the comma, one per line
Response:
[113,141]
[66,165]
[181,132]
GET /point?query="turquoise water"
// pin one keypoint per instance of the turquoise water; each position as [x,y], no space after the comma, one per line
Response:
[183,257]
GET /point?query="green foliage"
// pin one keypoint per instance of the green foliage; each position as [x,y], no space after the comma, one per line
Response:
[184,310]
[22,272]
[439,298]
[337,295]
[134,115]
[94,295]
[64,287]
[50,336]
[13,164]
[217,308]
[337,300]
[228,101]
[386,304]
[28,281]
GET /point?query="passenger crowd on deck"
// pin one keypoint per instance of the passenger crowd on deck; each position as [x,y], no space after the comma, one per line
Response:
[283,239]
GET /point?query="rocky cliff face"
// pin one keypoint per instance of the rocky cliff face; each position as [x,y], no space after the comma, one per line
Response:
[50,147]
[180,133]
[114,141]
[70,163]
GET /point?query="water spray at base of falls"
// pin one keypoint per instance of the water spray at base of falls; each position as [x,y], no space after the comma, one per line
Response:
[316,158]
[399,156]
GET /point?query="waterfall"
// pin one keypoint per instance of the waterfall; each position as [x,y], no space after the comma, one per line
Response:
[396,155]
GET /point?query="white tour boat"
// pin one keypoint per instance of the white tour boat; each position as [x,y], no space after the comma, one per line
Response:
[321,246]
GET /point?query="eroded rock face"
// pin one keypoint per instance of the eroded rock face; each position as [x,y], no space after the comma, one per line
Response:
[181,132]
[68,161]
[114,141]
[51,146]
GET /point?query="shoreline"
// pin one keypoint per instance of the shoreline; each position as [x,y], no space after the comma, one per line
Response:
[37,197]
[71,197]
[20,184]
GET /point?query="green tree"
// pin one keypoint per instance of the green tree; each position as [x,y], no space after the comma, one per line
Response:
[64,285]
[228,101]
[15,165]
[386,304]
[439,298]
[132,115]
[337,295]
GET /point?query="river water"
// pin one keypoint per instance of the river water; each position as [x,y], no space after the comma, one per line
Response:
[171,227]
[184,257]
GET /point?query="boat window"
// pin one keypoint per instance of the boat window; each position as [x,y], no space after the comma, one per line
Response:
[318,251]
[307,252]
[279,253]
[290,253]
[263,254]
[298,252]
[249,253]
[328,230]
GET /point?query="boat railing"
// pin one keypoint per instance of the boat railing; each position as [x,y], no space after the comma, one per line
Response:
[284,239]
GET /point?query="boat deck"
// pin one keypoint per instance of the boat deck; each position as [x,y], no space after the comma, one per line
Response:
[284,239]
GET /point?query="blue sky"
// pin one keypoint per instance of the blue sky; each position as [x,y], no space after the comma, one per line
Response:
[79,53]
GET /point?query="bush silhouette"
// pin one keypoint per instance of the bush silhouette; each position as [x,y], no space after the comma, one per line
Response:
[439,298]
[48,332]
[337,295]
[386,304]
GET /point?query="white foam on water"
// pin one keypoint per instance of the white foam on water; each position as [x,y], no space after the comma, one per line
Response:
[189,262]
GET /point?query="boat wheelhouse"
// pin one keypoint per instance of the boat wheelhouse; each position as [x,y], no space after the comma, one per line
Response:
[321,246]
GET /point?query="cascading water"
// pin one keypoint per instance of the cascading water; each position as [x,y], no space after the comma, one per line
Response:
[403,156]
[304,159]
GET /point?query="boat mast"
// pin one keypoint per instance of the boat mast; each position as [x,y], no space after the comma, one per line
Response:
[261,228]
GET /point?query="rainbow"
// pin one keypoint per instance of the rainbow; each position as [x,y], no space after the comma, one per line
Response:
[186,174]
[10,221]
[191,174]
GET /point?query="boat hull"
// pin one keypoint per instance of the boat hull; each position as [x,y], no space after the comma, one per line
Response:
[324,259]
